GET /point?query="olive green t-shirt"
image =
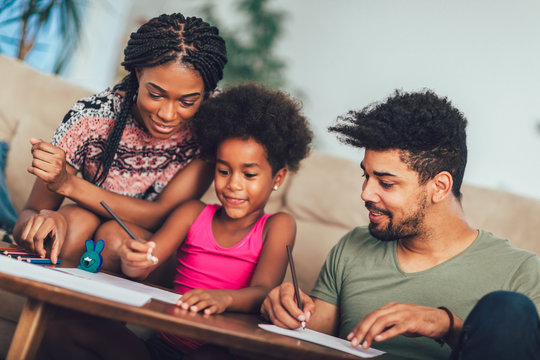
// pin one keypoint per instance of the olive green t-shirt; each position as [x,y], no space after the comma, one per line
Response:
[361,274]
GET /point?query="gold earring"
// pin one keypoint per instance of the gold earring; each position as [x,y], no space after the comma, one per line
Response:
[276,187]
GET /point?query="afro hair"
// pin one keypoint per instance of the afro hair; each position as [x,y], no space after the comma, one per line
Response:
[270,117]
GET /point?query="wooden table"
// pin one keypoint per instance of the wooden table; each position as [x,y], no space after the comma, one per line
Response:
[233,330]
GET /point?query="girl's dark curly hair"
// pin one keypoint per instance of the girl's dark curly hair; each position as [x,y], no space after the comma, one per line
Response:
[427,128]
[270,117]
[162,39]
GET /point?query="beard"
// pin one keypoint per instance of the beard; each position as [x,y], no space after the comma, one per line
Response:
[410,226]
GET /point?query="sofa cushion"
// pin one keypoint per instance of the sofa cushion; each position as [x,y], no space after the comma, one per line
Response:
[506,215]
[44,98]
[19,180]
[327,189]
[8,216]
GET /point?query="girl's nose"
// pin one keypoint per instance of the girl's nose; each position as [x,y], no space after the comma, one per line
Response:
[235,182]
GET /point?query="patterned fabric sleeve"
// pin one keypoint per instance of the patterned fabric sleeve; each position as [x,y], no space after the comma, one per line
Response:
[143,165]
[87,123]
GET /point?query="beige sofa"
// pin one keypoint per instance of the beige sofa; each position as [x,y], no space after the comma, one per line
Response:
[324,196]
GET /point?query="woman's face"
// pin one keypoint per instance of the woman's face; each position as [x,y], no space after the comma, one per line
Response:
[169,96]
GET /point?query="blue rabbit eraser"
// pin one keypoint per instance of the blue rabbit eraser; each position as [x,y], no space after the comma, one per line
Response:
[91,260]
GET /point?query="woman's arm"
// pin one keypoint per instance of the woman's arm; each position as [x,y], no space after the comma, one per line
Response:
[137,257]
[189,183]
[50,166]
[39,215]
[271,267]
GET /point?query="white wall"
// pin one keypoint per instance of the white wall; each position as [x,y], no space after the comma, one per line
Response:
[484,55]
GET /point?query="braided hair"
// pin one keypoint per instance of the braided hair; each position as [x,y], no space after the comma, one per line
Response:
[162,39]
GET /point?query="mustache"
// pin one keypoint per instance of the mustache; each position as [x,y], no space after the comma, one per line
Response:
[371,207]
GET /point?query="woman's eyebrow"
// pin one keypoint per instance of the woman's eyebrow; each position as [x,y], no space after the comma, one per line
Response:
[165,91]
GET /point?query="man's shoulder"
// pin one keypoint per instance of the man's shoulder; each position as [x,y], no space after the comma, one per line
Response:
[493,246]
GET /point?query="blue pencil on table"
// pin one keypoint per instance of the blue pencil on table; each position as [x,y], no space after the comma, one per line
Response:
[36,260]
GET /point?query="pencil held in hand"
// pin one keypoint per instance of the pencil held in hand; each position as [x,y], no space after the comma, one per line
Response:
[121,223]
[295,282]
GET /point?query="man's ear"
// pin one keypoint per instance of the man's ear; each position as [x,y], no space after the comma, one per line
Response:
[442,186]
[279,178]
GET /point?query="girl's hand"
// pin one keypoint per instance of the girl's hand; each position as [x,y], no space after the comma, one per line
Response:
[49,164]
[214,301]
[136,257]
[48,224]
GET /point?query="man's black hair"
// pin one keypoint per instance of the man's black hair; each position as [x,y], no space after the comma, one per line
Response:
[427,129]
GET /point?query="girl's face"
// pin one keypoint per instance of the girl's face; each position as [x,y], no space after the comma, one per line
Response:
[243,179]
[169,96]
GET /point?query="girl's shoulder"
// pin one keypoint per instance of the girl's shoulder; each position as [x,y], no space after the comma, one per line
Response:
[281,222]
[193,206]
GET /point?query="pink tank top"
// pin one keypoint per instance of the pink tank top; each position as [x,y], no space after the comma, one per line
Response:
[203,264]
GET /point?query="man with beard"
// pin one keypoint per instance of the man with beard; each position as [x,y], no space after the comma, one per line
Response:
[418,272]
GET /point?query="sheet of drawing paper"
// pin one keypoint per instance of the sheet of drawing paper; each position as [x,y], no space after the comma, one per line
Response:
[324,340]
[153,292]
[86,286]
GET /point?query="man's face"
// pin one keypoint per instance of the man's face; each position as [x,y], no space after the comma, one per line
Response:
[394,197]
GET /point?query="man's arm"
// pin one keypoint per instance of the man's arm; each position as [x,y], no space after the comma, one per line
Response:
[410,320]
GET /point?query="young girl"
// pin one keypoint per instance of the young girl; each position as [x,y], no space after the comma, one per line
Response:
[229,255]
[131,145]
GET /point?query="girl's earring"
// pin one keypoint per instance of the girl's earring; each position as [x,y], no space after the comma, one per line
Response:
[276,187]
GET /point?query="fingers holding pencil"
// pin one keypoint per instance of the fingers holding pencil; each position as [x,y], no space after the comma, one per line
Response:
[136,256]
[281,308]
[137,253]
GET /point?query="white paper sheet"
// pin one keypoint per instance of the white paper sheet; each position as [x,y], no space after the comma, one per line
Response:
[98,284]
[324,340]
[153,292]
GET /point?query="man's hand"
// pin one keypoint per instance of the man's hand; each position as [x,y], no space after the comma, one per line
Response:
[46,224]
[396,319]
[281,309]
[49,164]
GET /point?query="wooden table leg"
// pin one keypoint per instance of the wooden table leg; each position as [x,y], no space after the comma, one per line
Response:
[30,329]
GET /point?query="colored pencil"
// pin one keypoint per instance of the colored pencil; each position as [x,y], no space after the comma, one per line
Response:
[33,260]
[295,282]
[121,223]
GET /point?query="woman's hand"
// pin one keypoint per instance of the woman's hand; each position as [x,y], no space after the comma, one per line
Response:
[49,164]
[213,301]
[47,224]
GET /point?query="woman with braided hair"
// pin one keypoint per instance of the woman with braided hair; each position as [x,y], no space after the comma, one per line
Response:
[130,146]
